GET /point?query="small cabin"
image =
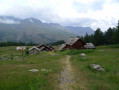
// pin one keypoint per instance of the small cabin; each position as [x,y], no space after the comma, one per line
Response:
[34,50]
[44,47]
[73,43]
[39,48]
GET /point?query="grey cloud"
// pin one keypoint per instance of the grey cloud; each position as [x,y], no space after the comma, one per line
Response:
[45,14]
[8,21]
[79,22]
[103,24]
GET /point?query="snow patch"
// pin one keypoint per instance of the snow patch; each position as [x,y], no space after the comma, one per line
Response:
[31,20]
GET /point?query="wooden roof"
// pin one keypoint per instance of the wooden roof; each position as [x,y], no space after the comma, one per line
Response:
[63,45]
[34,47]
[45,47]
[71,41]
[42,47]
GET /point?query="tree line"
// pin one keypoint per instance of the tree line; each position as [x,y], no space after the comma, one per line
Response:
[10,43]
[57,43]
[111,36]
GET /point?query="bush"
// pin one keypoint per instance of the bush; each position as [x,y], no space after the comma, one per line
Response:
[26,51]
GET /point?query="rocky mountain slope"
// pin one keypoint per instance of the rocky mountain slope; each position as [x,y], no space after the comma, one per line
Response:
[34,30]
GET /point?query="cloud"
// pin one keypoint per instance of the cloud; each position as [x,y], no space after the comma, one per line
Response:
[8,21]
[92,13]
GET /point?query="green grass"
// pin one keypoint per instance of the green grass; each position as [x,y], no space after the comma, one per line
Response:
[107,57]
[15,74]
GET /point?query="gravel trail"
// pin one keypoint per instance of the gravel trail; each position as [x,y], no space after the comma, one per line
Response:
[67,78]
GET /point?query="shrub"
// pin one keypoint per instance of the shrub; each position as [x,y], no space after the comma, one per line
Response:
[26,51]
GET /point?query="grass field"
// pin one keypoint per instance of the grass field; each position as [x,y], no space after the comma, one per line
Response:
[107,57]
[15,74]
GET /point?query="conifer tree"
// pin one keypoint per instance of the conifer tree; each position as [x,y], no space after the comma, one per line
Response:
[98,37]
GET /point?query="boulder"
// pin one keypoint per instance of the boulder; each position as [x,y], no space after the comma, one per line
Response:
[33,70]
[97,67]
[101,69]
[94,66]
[1,58]
[83,54]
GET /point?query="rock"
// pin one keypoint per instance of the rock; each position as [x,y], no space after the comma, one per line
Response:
[33,70]
[97,67]
[82,54]
[1,58]
[101,69]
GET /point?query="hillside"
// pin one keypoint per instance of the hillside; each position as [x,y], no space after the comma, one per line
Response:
[81,31]
[34,30]
[31,30]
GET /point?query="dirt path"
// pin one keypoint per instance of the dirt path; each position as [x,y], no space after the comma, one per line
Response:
[67,78]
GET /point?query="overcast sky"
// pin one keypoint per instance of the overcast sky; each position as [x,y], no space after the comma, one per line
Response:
[92,13]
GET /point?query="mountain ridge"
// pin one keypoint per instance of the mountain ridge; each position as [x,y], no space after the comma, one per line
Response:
[81,31]
[32,30]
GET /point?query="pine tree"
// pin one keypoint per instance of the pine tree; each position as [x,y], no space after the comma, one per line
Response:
[87,38]
[98,37]
[108,36]
[115,37]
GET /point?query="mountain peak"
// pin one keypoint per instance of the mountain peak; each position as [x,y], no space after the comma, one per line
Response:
[31,20]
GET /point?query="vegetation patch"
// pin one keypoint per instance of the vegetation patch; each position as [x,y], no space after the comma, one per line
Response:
[83,58]
[75,51]
[15,74]
[98,80]
[114,46]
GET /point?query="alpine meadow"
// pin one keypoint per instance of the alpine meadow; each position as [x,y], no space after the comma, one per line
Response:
[59,45]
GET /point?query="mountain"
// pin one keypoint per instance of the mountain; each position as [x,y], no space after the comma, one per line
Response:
[31,30]
[81,31]
[34,30]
